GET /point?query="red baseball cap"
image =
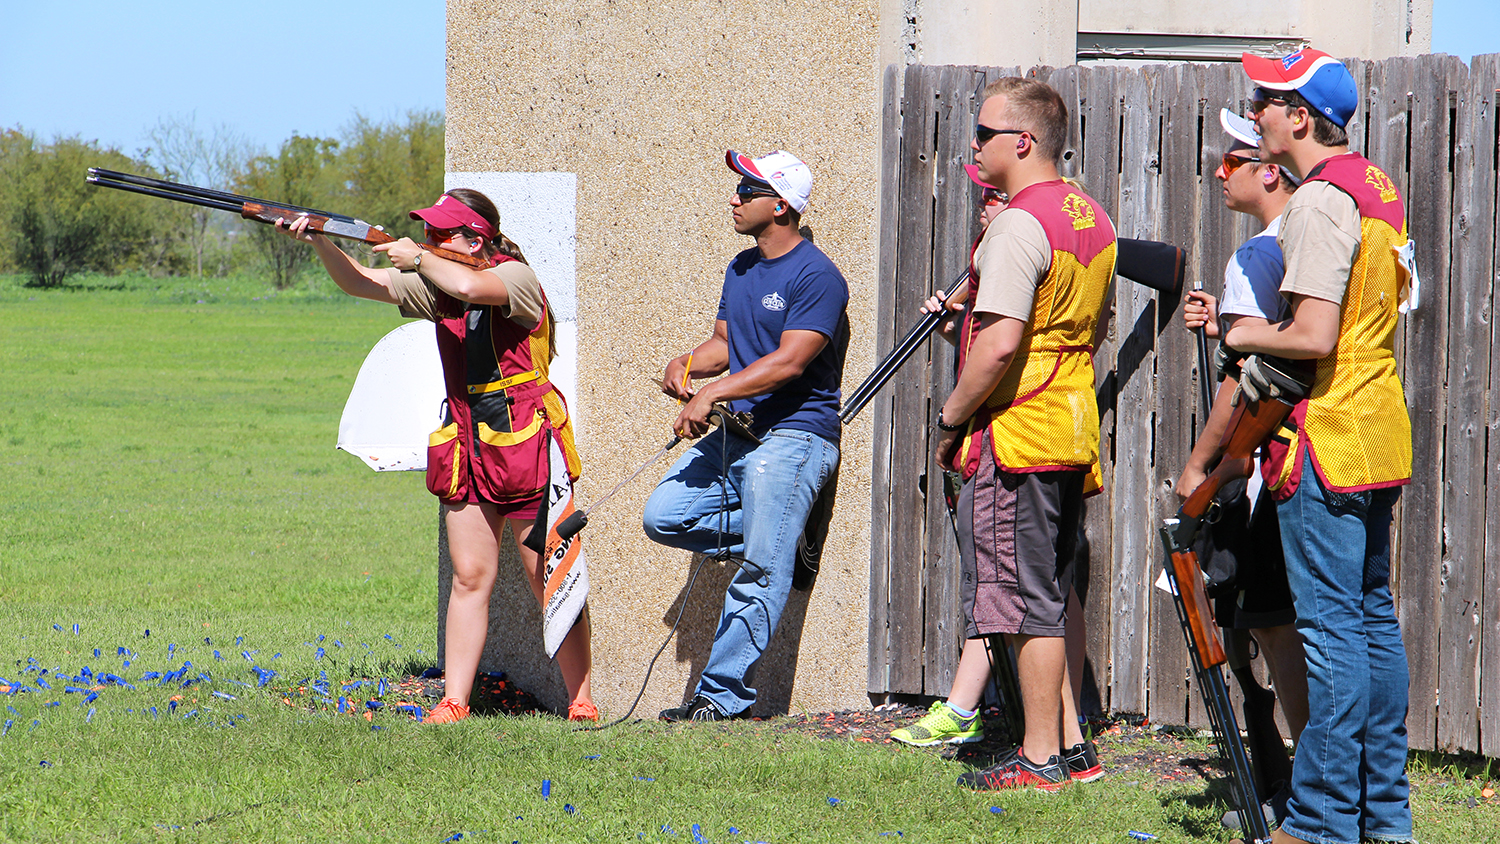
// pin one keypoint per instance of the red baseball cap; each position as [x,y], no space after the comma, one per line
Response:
[449,213]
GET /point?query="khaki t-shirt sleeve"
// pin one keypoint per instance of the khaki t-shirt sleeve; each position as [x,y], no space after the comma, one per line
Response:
[417,299]
[525,293]
[1320,234]
[1012,259]
[413,294]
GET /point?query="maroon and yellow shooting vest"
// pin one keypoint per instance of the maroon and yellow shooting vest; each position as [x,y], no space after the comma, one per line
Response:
[1355,423]
[1042,415]
[501,410]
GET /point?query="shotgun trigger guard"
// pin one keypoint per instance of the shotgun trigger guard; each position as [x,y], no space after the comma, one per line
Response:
[953,485]
[1214,512]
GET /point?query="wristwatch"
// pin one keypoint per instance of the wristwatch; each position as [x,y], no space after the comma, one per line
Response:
[944,426]
[416,263]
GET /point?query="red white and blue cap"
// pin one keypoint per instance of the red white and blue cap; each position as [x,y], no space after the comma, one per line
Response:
[449,213]
[784,172]
[1320,78]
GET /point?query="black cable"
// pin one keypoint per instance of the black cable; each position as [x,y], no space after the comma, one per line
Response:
[720,553]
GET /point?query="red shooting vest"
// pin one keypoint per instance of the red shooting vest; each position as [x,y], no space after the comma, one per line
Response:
[502,412]
[1043,416]
[1355,423]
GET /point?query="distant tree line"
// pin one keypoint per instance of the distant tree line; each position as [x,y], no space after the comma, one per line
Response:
[53,224]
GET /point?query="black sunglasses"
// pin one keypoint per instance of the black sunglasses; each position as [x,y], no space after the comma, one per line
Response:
[993,196]
[1262,98]
[984,134]
[747,192]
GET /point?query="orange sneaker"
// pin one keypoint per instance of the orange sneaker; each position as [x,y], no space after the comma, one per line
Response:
[583,710]
[446,712]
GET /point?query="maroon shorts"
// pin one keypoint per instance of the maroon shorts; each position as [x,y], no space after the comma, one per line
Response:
[525,509]
[1017,533]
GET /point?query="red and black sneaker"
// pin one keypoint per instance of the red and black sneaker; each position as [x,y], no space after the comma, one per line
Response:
[1083,762]
[1016,771]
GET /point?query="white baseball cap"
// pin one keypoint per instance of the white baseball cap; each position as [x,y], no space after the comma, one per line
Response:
[784,172]
[1240,128]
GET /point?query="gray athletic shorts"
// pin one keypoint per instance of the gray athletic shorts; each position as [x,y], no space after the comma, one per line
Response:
[1017,535]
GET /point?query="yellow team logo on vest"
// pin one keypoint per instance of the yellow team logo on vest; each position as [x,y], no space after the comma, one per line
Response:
[1080,210]
[1381,182]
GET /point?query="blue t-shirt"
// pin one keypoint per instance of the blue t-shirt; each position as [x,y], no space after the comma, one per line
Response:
[801,290]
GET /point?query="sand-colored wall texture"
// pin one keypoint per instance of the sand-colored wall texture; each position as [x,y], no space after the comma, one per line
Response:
[640,100]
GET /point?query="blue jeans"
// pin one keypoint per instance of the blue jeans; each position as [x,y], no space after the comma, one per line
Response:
[1349,778]
[758,516]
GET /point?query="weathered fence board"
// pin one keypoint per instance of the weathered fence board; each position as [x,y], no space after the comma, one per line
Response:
[1464,446]
[1172,687]
[1484,76]
[1146,142]
[880,408]
[1134,553]
[955,212]
[1098,136]
[1393,107]
[909,453]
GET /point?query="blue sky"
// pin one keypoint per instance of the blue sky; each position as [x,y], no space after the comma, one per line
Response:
[108,71]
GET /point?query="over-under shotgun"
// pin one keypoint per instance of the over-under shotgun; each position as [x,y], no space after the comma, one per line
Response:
[264,211]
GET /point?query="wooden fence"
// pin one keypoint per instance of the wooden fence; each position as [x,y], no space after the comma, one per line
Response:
[1145,143]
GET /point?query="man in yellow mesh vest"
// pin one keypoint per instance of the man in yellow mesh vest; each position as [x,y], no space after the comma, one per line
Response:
[1021,424]
[1346,450]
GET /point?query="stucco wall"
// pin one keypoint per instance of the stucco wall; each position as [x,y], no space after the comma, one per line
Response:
[640,100]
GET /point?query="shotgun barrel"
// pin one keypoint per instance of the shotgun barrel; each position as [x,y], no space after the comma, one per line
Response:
[887,368]
[220,204]
[185,193]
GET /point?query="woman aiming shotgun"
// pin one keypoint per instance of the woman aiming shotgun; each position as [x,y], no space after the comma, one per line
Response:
[489,462]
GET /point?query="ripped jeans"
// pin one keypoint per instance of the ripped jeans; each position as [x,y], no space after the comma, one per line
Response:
[758,516]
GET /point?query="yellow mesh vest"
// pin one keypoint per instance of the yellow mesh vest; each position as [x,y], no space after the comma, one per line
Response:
[1357,426]
[1043,414]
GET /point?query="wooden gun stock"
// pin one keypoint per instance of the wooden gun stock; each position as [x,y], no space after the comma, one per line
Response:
[1251,424]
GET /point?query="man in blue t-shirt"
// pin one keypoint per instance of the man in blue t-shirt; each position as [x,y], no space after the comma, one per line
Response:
[780,333]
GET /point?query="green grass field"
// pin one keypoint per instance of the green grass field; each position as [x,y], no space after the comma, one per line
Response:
[175,525]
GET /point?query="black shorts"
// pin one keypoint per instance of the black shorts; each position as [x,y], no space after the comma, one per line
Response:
[1251,543]
[1017,535]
